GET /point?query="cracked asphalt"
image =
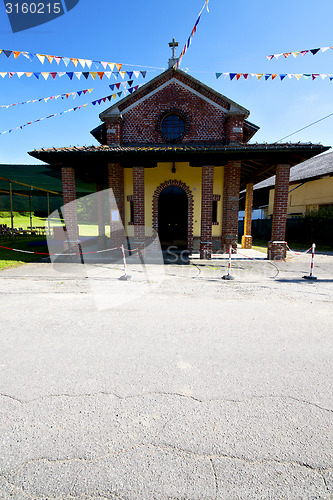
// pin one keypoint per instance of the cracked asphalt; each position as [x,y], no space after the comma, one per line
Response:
[189,387]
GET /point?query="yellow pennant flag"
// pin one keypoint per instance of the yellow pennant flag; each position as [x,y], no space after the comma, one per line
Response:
[50,58]
[45,75]
[93,74]
[299,76]
[3,74]
[0,51]
[112,65]
[259,75]
[75,61]
[295,54]
[29,74]
[114,96]
[16,54]
[90,90]
[41,58]
[85,105]
[122,74]
[119,66]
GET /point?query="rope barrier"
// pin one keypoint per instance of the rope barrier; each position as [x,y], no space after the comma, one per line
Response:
[72,253]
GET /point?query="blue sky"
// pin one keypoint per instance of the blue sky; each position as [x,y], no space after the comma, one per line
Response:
[233,37]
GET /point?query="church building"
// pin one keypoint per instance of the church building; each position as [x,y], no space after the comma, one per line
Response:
[176,154]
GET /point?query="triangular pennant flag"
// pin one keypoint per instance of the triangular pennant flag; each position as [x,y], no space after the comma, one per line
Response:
[20,73]
[65,60]
[70,75]
[79,92]
[323,49]
[100,74]
[99,101]
[61,73]
[53,74]
[282,77]
[323,76]
[286,54]
[16,54]
[11,74]
[104,64]
[111,65]
[8,53]
[267,76]
[129,74]
[117,85]
[314,51]
[45,75]
[238,75]
[114,96]
[274,75]
[136,74]
[314,75]
[96,64]
[104,99]
[28,74]
[3,74]
[86,74]
[111,86]
[82,62]
[130,83]
[46,99]
[218,75]
[78,74]
[57,59]
[143,73]
[84,105]
[107,74]
[115,74]
[290,76]
[119,66]
[109,97]
[299,76]
[259,75]
[90,90]
[41,58]
[232,75]
[88,63]
[120,93]
[136,87]
[122,74]
[306,75]
[74,61]
[245,75]
[295,54]
[270,57]
[37,75]
[303,52]
[50,58]
[93,74]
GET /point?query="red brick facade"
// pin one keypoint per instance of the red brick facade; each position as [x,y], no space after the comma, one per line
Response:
[276,247]
[70,213]
[230,205]
[116,204]
[206,212]
[139,204]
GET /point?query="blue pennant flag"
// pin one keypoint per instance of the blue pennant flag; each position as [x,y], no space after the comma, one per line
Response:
[70,75]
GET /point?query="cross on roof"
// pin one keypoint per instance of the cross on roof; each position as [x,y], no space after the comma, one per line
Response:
[173,45]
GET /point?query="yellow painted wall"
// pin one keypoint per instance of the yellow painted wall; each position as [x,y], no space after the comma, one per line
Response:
[191,176]
[307,196]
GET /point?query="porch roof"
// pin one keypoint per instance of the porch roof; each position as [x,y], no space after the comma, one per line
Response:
[258,160]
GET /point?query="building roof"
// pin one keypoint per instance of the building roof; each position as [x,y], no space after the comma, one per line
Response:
[314,168]
[258,160]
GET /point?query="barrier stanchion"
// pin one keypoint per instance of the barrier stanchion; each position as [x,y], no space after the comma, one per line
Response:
[228,276]
[125,277]
[311,277]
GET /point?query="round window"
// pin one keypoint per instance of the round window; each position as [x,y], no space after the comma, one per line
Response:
[173,127]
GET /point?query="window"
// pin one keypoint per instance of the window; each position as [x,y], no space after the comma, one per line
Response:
[214,217]
[172,126]
[131,212]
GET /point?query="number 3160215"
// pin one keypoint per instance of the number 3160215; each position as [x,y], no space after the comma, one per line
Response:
[33,8]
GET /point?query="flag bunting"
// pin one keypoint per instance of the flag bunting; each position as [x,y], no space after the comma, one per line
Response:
[298,52]
[97,101]
[273,76]
[45,99]
[66,60]
[188,43]
[77,74]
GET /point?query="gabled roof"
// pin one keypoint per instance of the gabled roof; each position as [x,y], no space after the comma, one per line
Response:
[314,168]
[172,73]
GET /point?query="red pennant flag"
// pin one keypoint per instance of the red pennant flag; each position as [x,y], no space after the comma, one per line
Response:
[53,75]
[117,85]
[100,74]
[119,66]
[274,76]
[239,75]
[286,54]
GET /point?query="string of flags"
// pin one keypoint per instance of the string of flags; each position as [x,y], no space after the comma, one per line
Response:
[66,60]
[188,43]
[45,99]
[272,76]
[298,52]
[78,74]
[97,101]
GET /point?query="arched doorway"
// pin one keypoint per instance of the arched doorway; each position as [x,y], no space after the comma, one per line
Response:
[173,217]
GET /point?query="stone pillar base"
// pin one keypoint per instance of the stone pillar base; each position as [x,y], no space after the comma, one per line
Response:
[205,251]
[246,241]
[276,250]
[227,241]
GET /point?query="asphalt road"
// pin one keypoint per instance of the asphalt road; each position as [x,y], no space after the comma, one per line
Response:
[189,387]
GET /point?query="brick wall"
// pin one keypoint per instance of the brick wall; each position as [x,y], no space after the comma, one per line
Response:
[205,121]
[70,213]
[113,131]
[234,128]
[231,205]
[277,251]
[116,203]
[139,204]
[206,211]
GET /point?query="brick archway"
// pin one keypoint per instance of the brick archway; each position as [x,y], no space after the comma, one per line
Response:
[184,187]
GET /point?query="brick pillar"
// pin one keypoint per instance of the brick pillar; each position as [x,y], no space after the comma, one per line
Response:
[276,247]
[116,204]
[70,213]
[234,128]
[247,238]
[139,204]
[206,212]
[231,205]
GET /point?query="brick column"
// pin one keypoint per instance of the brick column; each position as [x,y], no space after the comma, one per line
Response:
[231,205]
[70,213]
[276,247]
[139,204]
[116,204]
[206,212]
[234,128]
[247,238]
